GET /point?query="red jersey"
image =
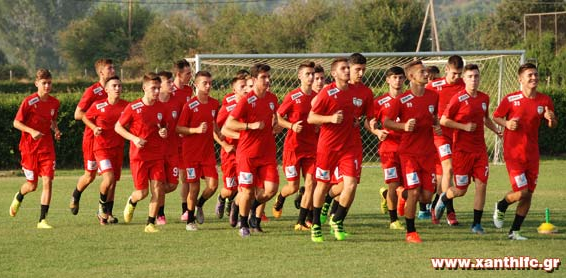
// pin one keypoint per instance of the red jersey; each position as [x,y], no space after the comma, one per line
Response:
[258,143]
[335,137]
[39,115]
[228,104]
[381,106]
[91,94]
[105,116]
[296,107]
[198,147]
[183,95]
[522,144]
[464,108]
[445,93]
[423,110]
[173,108]
[144,122]
[362,97]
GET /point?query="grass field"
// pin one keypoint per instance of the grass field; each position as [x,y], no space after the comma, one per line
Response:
[79,247]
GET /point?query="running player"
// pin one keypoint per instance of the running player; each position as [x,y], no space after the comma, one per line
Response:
[143,124]
[299,150]
[416,110]
[198,126]
[466,114]
[521,114]
[36,118]
[108,146]
[104,69]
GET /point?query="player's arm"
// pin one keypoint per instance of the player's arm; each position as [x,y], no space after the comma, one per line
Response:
[56,131]
[96,129]
[491,125]
[408,126]
[317,119]
[237,126]
[139,142]
[229,133]
[508,124]
[35,134]
[447,122]
[79,113]
[550,117]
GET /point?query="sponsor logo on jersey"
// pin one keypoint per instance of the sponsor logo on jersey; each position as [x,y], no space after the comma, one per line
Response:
[463,97]
[357,102]
[384,100]
[390,173]
[484,106]
[231,98]
[194,104]
[101,105]
[438,83]
[431,109]
[322,174]
[412,178]
[272,106]
[521,180]
[407,98]
[515,97]
[137,105]
[229,108]
[540,109]
[252,99]
[462,180]
[97,90]
[33,101]
[296,95]
[333,91]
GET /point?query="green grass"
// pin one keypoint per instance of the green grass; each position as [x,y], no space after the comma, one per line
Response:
[79,247]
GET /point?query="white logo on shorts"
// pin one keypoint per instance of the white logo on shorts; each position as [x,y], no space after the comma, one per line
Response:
[462,180]
[337,174]
[91,165]
[521,180]
[246,178]
[231,182]
[390,173]
[290,171]
[444,150]
[412,178]
[322,174]
[105,165]
[29,174]
[191,173]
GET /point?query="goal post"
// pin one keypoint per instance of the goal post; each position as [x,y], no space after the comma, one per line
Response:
[498,77]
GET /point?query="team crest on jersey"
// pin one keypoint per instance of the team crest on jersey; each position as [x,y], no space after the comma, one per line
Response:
[97,90]
[540,109]
[194,104]
[515,97]
[357,101]
[252,99]
[137,105]
[431,109]
[33,101]
[272,106]
[296,95]
[384,100]
[484,106]
[159,116]
[462,180]
[213,113]
[333,91]
[439,83]
[406,98]
[412,178]
[52,112]
[229,108]
[174,114]
[100,106]
[231,98]
[463,97]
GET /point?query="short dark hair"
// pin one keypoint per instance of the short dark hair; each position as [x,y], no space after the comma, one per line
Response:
[357,59]
[456,61]
[203,73]
[165,75]
[336,61]
[180,65]
[470,67]
[243,71]
[259,68]
[307,64]
[433,69]
[394,71]
[318,68]
[525,67]
[42,74]
[412,64]
[150,76]
[240,75]
[113,77]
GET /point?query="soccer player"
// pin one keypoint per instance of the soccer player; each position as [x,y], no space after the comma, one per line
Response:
[253,117]
[333,109]
[228,151]
[104,69]
[143,124]
[182,93]
[433,73]
[108,146]
[388,148]
[521,114]
[36,117]
[416,110]
[299,150]
[446,88]
[466,114]
[173,107]
[198,126]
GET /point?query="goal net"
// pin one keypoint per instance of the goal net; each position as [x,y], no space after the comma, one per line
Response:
[498,78]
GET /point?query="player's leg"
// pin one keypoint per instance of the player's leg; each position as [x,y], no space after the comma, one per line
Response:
[194,189]
[183,193]
[306,202]
[30,168]
[518,178]
[479,203]
[107,182]
[346,199]
[211,180]
[291,167]
[320,192]
[155,186]
[88,176]
[245,196]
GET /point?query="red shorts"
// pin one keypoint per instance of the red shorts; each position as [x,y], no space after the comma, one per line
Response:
[35,165]
[171,168]
[256,171]
[198,169]
[523,174]
[444,149]
[110,160]
[88,154]
[391,166]
[294,165]
[144,171]
[418,171]
[467,165]
[327,162]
